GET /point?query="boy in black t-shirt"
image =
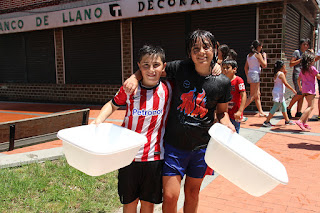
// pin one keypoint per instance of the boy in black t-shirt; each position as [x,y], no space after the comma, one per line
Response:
[197,94]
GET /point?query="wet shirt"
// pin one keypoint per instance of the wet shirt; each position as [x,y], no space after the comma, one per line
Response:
[194,100]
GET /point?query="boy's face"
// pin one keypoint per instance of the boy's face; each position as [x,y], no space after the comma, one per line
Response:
[304,46]
[151,68]
[202,53]
[228,71]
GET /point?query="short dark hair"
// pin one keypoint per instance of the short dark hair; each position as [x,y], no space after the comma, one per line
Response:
[151,50]
[199,34]
[230,62]
[304,40]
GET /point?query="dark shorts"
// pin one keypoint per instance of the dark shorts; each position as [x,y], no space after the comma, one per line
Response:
[141,180]
[181,162]
[295,76]
[236,125]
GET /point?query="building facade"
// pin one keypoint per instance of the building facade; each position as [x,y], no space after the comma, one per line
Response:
[69,51]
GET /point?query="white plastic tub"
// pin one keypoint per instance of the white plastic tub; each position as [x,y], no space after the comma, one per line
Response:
[100,150]
[243,163]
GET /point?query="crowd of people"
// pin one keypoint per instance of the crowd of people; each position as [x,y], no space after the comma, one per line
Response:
[193,96]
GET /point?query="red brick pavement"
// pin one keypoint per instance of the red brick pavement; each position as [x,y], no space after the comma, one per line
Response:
[300,154]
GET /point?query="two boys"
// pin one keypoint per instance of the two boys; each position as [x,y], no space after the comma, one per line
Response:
[142,179]
[201,55]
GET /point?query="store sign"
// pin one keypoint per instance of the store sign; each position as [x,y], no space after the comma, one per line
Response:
[114,10]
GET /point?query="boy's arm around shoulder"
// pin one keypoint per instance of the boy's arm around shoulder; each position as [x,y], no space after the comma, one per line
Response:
[105,112]
[131,84]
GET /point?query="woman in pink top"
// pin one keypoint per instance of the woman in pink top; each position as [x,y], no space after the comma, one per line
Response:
[308,77]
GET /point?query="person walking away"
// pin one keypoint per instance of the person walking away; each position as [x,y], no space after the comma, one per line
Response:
[280,84]
[307,84]
[255,60]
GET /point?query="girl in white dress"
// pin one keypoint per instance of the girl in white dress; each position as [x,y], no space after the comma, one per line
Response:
[280,84]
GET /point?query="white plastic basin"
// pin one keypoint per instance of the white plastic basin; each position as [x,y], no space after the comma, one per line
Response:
[100,150]
[243,163]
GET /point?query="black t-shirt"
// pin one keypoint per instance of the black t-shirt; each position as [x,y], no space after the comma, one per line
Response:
[194,100]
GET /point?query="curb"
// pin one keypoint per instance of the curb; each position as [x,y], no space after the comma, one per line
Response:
[13,160]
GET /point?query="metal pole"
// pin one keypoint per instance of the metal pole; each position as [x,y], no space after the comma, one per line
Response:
[12,135]
[85,118]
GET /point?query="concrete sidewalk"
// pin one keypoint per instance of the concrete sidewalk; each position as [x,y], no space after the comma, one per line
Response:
[298,151]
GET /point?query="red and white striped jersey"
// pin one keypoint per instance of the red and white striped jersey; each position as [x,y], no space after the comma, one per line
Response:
[146,113]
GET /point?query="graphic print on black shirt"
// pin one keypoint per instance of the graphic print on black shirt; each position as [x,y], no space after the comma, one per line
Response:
[193,103]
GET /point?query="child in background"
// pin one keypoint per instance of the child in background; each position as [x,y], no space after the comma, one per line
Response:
[238,92]
[223,53]
[295,62]
[317,59]
[146,113]
[307,76]
[233,55]
[280,84]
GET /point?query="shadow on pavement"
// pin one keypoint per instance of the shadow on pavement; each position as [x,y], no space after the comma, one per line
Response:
[307,146]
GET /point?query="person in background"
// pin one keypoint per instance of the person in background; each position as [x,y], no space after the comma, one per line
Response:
[233,55]
[280,84]
[238,92]
[146,113]
[317,59]
[295,62]
[223,53]
[255,60]
[307,85]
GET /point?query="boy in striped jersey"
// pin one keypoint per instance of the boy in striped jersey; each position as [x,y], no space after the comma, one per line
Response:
[146,113]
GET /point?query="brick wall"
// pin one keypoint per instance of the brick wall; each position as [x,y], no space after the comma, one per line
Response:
[126,48]
[58,93]
[69,93]
[271,35]
[59,56]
